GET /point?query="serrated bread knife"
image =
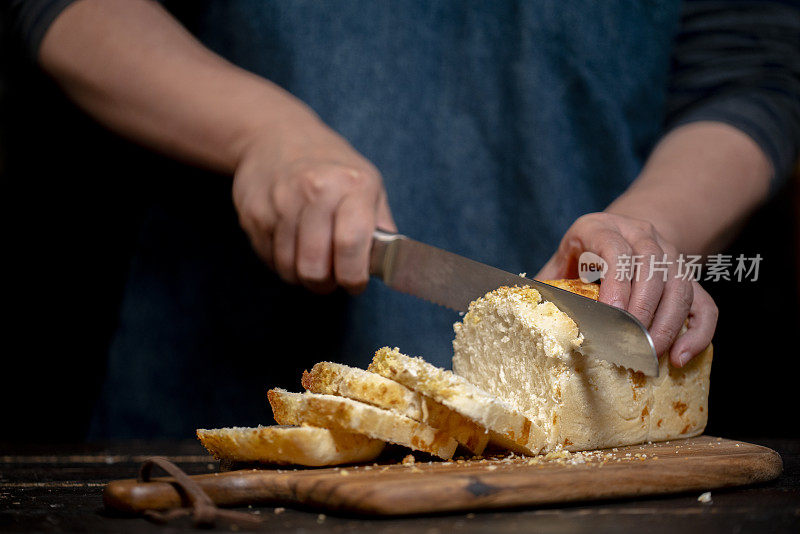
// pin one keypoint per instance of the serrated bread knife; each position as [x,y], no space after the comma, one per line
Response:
[453,281]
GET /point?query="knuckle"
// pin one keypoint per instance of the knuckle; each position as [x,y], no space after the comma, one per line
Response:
[313,185]
[587,220]
[647,227]
[348,243]
[309,258]
[567,244]
[334,181]
[666,332]
[643,307]
[615,243]
[281,196]
[356,178]
[312,273]
[683,295]
[647,246]
[257,214]
[670,250]
[351,279]
[641,312]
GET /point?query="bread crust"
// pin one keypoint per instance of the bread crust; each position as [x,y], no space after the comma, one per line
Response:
[339,413]
[289,445]
[365,386]
[577,286]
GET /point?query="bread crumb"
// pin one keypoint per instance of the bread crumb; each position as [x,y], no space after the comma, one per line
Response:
[409,459]
[279,511]
[705,498]
[344,473]
[491,467]
[321,518]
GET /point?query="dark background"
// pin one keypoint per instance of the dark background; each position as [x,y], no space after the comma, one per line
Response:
[73,197]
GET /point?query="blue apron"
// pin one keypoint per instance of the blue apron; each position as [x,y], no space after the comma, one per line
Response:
[495,125]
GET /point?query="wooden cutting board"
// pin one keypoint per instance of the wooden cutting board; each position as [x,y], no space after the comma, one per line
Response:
[695,464]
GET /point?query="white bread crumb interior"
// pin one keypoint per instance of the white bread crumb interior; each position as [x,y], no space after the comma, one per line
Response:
[524,350]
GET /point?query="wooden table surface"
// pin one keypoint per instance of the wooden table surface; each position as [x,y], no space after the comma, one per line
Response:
[58,489]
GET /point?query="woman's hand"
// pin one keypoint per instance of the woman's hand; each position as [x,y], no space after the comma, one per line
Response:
[309,203]
[661,303]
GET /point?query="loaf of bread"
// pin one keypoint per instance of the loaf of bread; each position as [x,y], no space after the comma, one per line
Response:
[289,445]
[522,349]
[331,378]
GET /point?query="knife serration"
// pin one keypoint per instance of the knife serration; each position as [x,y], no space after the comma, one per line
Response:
[454,281]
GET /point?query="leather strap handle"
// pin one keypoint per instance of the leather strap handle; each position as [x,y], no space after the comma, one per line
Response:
[203,511]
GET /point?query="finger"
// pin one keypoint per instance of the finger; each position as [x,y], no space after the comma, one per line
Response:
[260,239]
[257,219]
[675,302]
[648,285]
[352,239]
[612,247]
[671,314]
[283,249]
[703,316]
[554,269]
[287,203]
[384,219]
[262,245]
[313,257]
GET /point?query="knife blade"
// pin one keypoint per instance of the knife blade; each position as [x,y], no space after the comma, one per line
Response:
[453,281]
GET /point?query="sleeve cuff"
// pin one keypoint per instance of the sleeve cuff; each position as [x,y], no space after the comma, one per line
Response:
[30,21]
[766,117]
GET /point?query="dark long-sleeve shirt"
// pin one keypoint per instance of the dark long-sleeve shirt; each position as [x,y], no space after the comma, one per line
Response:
[739,62]
[495,125]
[734,61]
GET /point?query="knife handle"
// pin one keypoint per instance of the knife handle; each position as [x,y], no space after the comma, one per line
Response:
[381,257]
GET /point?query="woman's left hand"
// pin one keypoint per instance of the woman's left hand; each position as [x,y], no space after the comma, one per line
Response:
[661,300]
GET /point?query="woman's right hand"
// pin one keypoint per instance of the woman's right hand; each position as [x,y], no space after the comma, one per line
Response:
[309,203]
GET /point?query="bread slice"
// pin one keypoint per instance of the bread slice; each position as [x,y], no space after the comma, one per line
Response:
[357,384]
[303,445]
[514,345]
[507,427]
[339,413]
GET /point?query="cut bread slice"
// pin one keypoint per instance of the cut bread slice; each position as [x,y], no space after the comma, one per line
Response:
[339,413]
[514,345]
[357,384]
[507,427]
[294,445]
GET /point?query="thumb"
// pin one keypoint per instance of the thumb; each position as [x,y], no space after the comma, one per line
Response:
[563,264]
[554,269]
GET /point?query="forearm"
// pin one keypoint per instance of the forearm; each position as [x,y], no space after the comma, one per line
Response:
[133,67]
[699,184]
